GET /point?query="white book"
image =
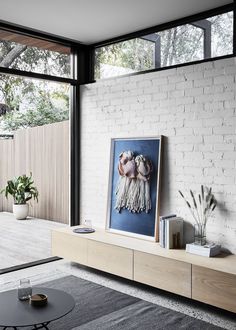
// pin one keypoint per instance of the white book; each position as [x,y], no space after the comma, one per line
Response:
[162,230]
[174,233]
[161,233]
[203,250]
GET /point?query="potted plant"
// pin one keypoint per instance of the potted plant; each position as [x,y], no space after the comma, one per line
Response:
[22,190]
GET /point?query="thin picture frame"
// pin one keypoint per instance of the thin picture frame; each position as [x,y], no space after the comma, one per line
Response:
[142,224]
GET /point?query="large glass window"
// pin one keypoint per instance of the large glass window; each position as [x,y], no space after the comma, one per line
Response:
[34,55]
[181,44]
[202,39]
[28,102]
[43,105]
[222,34]
[124,57]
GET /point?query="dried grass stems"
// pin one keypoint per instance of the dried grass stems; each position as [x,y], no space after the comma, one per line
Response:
[202,207]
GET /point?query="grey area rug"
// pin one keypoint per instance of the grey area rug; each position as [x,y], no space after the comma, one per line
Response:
[98,307]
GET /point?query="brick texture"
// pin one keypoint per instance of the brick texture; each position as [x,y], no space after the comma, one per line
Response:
[194,107]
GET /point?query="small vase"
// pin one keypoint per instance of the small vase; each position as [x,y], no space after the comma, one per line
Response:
[24,289]
[200,234]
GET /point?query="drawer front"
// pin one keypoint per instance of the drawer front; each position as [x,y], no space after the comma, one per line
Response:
[110,258]
[163,273]
[70,247]
[214,288]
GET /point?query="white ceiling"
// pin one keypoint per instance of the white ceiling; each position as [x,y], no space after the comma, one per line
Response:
[90,21]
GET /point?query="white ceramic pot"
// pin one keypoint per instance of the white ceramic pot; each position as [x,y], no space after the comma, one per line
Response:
[20,211]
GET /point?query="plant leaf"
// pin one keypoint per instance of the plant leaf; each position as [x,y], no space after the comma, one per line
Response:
[202,190]
[194,201]
[181,193]
[199,197]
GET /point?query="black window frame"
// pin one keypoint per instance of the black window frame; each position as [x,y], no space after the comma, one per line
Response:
[81,73]
[166,26]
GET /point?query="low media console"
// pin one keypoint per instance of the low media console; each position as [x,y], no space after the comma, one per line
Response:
[209,280]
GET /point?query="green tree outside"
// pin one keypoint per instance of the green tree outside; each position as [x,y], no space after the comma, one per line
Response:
[28,103]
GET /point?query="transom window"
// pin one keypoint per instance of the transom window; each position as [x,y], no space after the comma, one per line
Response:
[203,39]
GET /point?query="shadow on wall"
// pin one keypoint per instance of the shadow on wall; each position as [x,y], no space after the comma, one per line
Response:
[165,192]
[164,178]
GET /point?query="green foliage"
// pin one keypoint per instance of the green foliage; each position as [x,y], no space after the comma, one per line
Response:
[41,116]
[43,61]
[22,189]
[136,54]
[35,59]
[222,31]
[180,44]
[33,102]
[9,87]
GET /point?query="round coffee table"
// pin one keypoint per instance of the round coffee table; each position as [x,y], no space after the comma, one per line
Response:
[15,313]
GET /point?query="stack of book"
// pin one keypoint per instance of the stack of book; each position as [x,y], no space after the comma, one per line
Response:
[209,250]
[171,231]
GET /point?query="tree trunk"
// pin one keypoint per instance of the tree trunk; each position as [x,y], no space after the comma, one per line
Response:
[12,55]
[173,47]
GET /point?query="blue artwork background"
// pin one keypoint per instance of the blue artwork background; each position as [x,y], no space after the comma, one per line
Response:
[138,223]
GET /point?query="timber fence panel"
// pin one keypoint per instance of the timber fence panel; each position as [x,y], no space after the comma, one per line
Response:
[44,151]
[7,158]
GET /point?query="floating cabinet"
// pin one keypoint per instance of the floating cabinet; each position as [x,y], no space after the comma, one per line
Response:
[214,288]
[163,273]
[110,258]
[209,280]
[69,247]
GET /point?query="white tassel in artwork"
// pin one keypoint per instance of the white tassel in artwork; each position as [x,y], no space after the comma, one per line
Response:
[144,169]
[121,192]
[133,187]
[126,169]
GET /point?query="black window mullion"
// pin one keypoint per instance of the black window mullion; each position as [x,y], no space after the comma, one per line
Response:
[75,142]
[75,157]
[34,75]
[82,66]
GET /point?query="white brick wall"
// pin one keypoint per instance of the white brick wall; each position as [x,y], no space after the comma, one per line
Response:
[194,108]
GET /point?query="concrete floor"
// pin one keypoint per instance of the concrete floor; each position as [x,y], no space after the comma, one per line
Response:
[26,241]
[57,269]
[23,241]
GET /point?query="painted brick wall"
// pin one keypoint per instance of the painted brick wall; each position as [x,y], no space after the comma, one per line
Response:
[194,107]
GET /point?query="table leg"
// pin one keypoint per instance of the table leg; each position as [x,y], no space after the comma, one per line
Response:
[42,326]
[36,326]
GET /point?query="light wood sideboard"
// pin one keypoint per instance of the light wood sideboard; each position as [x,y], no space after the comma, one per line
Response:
[163,273]
[110,258]
[209,280]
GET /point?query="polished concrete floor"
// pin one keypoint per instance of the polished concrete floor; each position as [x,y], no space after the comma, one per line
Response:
[24,241]
[57,269]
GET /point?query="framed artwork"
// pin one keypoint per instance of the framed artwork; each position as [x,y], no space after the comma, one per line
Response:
[134,181]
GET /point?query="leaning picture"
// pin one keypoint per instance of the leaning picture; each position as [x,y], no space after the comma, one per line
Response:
[133,200]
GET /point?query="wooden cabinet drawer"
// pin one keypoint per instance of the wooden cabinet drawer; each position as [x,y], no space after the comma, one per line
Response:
[214,288]
[163,273]
[71,247]
[110,258]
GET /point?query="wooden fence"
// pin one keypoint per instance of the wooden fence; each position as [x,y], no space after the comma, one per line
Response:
[44,151]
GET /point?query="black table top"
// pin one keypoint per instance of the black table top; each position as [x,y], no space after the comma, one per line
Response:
[16,313]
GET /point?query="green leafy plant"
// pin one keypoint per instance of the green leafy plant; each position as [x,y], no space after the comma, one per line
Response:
[21,188]
[15,120]
[201,207]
